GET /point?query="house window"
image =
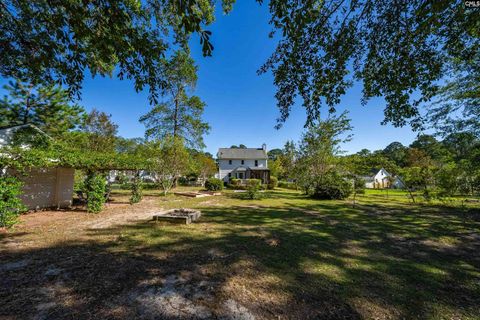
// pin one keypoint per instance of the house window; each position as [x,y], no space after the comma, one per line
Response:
[230,175]
[243,162]
[256,163]
[229,161]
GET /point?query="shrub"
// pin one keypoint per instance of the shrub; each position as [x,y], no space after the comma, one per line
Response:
[10,205]
[95,185]
[214,184]
[136,188]
[273,183]
[253,188]
[332,186]
[358,185]
[149,186]
[79,181]
[235,182]
[254,182]
[182,181]
[287,185]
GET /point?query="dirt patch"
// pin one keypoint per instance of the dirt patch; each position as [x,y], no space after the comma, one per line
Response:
[125,214]
[173,299]
[179,297]
[235,311]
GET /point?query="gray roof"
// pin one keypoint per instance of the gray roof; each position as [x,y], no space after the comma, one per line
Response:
[238,153]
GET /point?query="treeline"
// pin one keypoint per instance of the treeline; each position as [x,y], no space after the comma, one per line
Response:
[437,166]
[445,167]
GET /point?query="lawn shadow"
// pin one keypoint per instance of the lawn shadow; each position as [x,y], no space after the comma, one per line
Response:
[309,259]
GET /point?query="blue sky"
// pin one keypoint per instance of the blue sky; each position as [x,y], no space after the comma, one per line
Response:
[241,107]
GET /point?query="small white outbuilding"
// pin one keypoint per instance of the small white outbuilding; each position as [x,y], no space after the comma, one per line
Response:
[380,179]
[43,187]
[48,188]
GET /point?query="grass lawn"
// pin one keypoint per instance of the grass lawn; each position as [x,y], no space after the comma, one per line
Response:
[281,257]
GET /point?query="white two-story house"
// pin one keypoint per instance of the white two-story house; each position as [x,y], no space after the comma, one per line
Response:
[246,163]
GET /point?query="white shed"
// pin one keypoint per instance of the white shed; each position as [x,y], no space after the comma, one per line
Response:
[48,188]
[42,187]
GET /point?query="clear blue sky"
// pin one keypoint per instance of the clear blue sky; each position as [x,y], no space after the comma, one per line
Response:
[241,107]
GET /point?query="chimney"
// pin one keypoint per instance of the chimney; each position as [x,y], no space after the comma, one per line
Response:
[264,147]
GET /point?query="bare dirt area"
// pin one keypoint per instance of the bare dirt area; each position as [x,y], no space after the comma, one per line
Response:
[64,264]
[61,225]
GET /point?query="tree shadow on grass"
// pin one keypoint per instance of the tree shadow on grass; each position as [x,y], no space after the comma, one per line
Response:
[319,260]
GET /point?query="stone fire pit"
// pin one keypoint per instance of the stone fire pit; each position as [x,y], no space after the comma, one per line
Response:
[184,216]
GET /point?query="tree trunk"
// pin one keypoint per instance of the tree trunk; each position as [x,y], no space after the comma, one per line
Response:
[175,115]
[411,195]
[27,108]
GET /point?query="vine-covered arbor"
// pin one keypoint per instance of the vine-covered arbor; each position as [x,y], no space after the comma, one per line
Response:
[25,171]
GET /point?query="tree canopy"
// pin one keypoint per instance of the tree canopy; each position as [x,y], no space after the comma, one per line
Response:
[47,107]
[180,114]
[456,107]
[240,146]
[274,154]
[397,50]
[57,41]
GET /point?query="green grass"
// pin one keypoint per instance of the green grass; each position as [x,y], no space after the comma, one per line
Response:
[290,256]
[399,259]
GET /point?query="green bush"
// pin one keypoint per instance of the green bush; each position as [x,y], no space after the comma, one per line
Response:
[253,188]
[273,183]
[253,182]
[183,181]
[214,184]
[79,181]
[358,185]
[149,185]
[10,204]
[332,186]
[95,186]
[235,182]
[136,187]
[287,185]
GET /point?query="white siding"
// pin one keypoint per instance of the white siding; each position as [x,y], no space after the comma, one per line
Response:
[380,180]
[225,167]
[44,188]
